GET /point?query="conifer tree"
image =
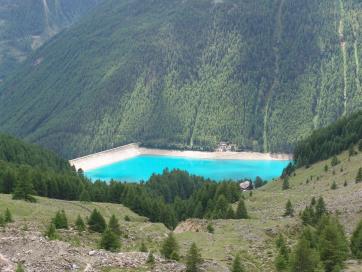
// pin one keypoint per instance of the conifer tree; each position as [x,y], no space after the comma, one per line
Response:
[304,257]
[356,241]
[334,161]
[360,145]
[286,185]
[333,244]
[320,209]
[143,247]
[150,259]
[241,212]
[359,175]
[230,213]
[24,190]
[79,224]
[60,220]
[113,225]
[8,218]
[237,266]
[51,232]
[221,208]
[193,259]
[210,228]
[289,211]
[96,222]
[282,259]
[170,248]
[334,185]
[84,196]
[110,241]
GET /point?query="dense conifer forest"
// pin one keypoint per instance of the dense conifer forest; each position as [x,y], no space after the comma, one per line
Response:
[332,140]
[188,74]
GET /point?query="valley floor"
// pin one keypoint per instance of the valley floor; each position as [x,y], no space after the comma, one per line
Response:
[133,150]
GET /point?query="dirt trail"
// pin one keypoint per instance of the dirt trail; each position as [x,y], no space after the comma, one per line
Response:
[277,38]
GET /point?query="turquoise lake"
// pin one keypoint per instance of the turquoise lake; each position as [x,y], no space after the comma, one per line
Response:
[142,167]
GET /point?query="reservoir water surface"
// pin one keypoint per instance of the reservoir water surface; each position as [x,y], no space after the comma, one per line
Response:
[142,167]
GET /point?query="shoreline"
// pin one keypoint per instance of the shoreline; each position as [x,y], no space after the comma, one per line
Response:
[129,151]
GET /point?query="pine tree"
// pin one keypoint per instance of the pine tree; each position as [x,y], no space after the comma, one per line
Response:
[320,210]
[96,222]
[221,208]
[8,218]
[282,259]
[289,211]
[193,259]
[84,196]
[258,182]
[51,232]
[60,220]
[79,224]
[19,268]
[24,191]
[170,248]
[110,241]
[345,184]
[360,145]
[359,175]
[230,213]
[304,257]
[150,259]
[237,266]
[334,161]
[210,228]
[114,225]
[356,241]
[334,185]
[286,185]
[143,247]
[241,212]
[333,246]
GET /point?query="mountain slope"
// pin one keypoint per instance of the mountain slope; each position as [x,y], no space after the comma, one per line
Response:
[17,152]
[26,25]
[261,74]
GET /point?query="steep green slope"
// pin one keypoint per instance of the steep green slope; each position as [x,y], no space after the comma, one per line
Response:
[26,25]
[261,74]
[17,152]
[329,141]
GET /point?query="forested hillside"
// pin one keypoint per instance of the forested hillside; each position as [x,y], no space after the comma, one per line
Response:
[324,143]
[17,152]
[26,25]
[261,74]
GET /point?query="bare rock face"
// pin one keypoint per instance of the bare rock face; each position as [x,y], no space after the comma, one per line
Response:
[38,254]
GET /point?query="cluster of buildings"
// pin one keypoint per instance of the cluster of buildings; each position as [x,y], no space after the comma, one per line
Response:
[226,147]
